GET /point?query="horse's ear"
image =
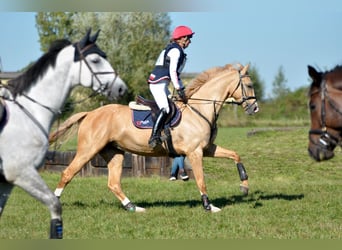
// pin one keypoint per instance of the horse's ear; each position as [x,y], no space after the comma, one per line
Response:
[85,39]
[93,38]
[239,66]
[315,76]
[244,69]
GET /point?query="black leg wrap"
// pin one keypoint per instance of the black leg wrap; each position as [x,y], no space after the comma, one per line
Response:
[130,207]
[56,229]
[206,203]
[242,171]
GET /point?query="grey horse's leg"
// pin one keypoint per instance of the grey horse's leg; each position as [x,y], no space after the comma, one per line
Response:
[5,191]
[31,182]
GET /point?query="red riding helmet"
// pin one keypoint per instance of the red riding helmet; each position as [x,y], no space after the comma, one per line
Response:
[181,31]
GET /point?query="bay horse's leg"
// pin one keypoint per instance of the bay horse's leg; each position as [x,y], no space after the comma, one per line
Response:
[30,181]
[196,161]
[115,159]
[219,152]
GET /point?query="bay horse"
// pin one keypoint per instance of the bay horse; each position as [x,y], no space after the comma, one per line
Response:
[325,105]
[30,104]
[109,131]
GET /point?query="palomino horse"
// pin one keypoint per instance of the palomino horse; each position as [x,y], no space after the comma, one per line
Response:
[30,104]
[326,112]
[109,130]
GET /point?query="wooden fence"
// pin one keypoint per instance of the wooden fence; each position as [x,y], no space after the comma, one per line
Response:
[134,165]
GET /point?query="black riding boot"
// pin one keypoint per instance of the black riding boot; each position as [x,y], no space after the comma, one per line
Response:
[157,127]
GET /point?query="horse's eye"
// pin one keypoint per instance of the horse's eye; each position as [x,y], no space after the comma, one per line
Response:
[96,60]
[312,106]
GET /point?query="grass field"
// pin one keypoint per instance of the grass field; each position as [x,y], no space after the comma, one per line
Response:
[291,197]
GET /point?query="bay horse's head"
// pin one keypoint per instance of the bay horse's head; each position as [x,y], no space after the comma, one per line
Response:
[325,104]
[243,94]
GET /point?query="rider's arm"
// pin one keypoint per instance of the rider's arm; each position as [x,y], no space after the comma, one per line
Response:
[174,55]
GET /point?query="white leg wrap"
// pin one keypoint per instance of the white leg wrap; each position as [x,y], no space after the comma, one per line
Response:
[125,201]
[214,209]
[58,192]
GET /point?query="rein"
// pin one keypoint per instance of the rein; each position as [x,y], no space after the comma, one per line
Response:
[53,111]
[243,99]
[226,101]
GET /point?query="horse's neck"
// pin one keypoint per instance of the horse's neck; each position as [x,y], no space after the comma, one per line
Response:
[214,93]
[46,98]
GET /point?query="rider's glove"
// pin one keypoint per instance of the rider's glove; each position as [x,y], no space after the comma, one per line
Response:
[182,95]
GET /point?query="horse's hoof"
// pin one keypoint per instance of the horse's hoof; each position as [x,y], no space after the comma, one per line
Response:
[140,210]
[244,189]
[214,209]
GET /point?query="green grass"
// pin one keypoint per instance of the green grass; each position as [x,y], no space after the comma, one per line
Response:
[291,197]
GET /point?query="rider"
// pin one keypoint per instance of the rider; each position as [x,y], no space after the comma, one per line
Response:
[168,67]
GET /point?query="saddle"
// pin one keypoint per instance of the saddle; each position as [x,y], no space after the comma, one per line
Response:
[144,113]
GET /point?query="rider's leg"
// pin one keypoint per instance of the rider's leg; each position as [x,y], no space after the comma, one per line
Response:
[160,94]
[157,127]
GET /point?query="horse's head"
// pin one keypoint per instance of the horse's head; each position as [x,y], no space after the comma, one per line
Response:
[325,104]
[243,93]
[94,70]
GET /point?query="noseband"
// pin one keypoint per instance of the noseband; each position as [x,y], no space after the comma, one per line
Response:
[326,141]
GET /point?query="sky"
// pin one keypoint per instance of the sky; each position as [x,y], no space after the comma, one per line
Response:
[266,34]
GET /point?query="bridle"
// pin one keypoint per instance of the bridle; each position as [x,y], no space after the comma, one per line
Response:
[228,100]
[101,89]
[244,97]
[326,141]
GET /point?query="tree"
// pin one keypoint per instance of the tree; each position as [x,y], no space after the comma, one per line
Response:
[279,84]
[52,26]
[132,42]
[258,84]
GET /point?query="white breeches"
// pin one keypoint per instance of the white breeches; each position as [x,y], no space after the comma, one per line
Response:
[160,93]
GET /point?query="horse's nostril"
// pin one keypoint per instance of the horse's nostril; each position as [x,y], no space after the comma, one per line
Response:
[256,109]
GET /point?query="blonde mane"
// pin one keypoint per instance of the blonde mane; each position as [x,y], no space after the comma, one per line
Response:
[205,76]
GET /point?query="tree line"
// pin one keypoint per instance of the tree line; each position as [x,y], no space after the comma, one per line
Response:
[132,41]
